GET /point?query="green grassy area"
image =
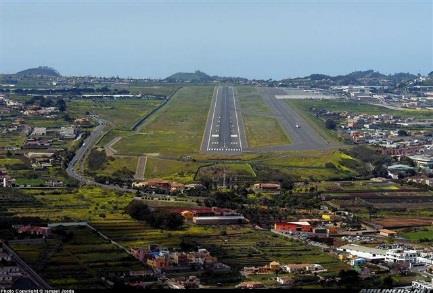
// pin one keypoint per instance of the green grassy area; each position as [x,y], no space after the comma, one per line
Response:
[138,234]
[177,129]
[179,171]
[84,204]
[5,162]
[135,88]
[311,165]
[229,169]
[12,139]
[111,134]
[262,129]
[77,262]
[419,234]
[365,185]
[118,163]
[122,113]
[46,122]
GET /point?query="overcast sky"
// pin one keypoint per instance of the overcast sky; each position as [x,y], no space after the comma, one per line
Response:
[255,39]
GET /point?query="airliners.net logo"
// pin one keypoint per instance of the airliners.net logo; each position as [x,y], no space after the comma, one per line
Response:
[400,290]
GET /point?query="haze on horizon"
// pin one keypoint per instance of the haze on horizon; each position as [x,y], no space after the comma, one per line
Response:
[254,39]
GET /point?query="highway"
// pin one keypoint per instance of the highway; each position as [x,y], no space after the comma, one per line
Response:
[303,137]
[224,131]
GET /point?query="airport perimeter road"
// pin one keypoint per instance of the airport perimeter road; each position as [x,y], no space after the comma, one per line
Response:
[78,160]
[224,129]
[303,137]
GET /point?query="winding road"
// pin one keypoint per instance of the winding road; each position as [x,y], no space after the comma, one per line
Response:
[81,153]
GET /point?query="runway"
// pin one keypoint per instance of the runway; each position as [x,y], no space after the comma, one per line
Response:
[224,131]
[301,133]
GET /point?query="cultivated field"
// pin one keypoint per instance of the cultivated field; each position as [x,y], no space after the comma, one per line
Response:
[77,261]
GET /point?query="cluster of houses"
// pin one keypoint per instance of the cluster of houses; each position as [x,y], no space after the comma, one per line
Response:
[275,266]
[328,225]
[166,186]
[171,187]
[419,174]
[394,134]
[164,261]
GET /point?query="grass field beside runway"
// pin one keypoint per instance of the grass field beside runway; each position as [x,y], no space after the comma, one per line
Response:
[118,163]
[309,165]
[261,128]
[123,113]
[179,171]
[177,129]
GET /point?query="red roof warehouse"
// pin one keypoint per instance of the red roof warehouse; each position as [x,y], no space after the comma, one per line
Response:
[293,227]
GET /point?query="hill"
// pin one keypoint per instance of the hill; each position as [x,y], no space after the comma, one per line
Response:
[196,76]
[39,71]
[367,77]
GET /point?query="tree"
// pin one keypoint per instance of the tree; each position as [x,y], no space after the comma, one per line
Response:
[330,124]
[97,159]
[388,282]
[174,221]
[61,105]
[349,278]
[138,210]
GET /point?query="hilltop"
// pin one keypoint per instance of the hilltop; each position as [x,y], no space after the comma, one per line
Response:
[39,71]
[196,76]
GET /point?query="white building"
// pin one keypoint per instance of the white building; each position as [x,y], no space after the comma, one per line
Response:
[401,255]
[67,132]
[39,131]
[423,161]
[369,253]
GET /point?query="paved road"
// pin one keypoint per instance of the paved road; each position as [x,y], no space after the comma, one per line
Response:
[141,168]
[304,137]
[224,130]
[78,160]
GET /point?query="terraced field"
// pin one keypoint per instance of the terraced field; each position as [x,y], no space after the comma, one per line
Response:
[76,262]
[251,247]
